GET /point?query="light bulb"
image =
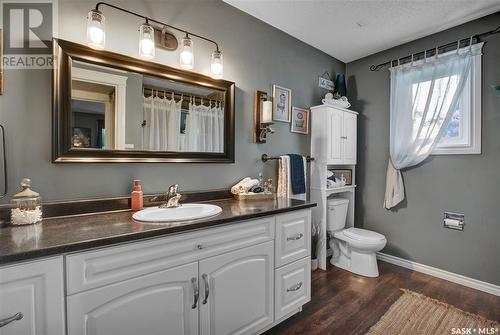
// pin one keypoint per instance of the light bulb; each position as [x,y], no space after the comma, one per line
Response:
[96,30]
[146,41]
[216,65]
[187,56]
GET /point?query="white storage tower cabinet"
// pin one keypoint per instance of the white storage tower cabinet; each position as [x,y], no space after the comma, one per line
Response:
[333,145]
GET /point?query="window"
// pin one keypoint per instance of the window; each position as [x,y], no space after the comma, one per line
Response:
[463,132]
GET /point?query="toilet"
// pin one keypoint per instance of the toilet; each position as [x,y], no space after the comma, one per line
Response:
[353,249]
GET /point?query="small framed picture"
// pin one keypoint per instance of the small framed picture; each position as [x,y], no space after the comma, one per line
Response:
[282,103]
[347,173]
[300,121]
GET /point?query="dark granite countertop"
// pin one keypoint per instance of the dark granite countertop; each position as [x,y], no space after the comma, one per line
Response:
[65,234]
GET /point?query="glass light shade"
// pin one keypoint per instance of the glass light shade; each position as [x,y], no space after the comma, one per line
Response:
[267,112]
[187,56]
[146,41]
[96,30]
[216,65]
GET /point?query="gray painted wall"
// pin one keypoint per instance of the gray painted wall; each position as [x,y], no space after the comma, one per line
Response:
[255,57]
[461,183]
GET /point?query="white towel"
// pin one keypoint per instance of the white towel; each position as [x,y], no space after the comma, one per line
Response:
[244,185]
[284,181]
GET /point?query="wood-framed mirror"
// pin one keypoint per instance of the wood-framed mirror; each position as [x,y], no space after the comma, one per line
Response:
[108,107]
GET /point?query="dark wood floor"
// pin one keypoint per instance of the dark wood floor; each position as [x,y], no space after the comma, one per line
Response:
[344,303]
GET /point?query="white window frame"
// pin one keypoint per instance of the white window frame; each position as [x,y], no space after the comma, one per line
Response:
[474,118]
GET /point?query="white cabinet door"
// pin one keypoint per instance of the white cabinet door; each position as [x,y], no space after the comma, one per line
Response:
[335,135]
[349,138]
[159,303]
[35,292]
[238,298]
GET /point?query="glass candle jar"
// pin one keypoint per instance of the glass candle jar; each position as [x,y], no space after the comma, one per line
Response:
[26,206]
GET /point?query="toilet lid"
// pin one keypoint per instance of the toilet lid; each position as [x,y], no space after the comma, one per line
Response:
[363,234]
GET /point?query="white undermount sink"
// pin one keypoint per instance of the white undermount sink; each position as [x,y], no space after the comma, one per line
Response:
[185,212]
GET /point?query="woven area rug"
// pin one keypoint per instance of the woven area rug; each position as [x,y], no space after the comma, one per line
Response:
[417,314]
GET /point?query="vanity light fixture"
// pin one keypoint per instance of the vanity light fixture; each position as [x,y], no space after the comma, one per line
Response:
[146,41]
[96,38]
[96,30]
[187,55]
[263,117]
[216,65]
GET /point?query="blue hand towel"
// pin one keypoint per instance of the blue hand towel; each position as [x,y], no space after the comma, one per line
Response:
[297,177]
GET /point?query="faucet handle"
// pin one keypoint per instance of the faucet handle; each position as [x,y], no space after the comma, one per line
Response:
[173,189]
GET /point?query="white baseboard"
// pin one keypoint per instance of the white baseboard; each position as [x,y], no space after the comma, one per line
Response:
[450,276]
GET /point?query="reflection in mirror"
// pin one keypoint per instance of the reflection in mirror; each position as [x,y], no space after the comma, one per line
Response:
[114,109]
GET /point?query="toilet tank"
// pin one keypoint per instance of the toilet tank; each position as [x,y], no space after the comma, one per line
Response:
[337,214]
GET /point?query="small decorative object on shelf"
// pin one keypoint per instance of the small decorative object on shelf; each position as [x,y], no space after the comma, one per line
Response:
[332,100]
[340,87]
[27,206]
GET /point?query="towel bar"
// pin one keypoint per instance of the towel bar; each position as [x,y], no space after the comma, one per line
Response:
[266,157]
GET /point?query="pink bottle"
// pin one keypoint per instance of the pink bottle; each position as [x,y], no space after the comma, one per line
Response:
[137,196]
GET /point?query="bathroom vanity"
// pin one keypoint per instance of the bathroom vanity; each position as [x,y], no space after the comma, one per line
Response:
[241,272]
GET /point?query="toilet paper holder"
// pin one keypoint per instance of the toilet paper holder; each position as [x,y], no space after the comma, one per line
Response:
[455,221]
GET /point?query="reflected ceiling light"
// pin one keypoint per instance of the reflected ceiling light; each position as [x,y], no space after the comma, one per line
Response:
[146,41]
[96,30]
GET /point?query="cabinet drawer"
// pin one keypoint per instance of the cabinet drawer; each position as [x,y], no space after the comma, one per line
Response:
[293,287]
[293,237]
[35,291]
[87,270]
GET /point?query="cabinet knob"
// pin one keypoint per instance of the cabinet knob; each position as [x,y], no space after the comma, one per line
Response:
[199,246]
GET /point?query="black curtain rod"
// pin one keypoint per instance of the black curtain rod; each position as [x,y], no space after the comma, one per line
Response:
[156,21]
[432,52]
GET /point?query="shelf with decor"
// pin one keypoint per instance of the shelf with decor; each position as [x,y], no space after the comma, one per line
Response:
[333,144]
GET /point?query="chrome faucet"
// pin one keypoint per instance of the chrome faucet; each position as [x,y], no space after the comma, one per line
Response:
[172,197]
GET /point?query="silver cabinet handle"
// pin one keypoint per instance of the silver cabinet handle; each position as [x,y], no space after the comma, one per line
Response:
[295,287]
[196,292]
[15,317]
[295,237]
[207,288]
[343,137]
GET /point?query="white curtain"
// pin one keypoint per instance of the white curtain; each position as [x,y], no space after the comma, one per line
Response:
[163,123]
[205,128]
[423,96]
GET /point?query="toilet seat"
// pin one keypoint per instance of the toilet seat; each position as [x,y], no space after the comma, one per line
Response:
[363,235]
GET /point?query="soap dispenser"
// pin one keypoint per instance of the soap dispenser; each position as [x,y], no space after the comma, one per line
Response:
[137,201]
[26,205]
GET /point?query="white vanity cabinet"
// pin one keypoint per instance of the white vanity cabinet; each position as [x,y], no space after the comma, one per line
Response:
[32,298]
[163,300]
[237,291]
[237,278]
[333,135]
[215,281]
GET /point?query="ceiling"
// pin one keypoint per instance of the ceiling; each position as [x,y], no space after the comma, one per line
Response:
[352,29]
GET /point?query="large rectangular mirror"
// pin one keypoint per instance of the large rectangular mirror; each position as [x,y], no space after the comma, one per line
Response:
[113,108]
